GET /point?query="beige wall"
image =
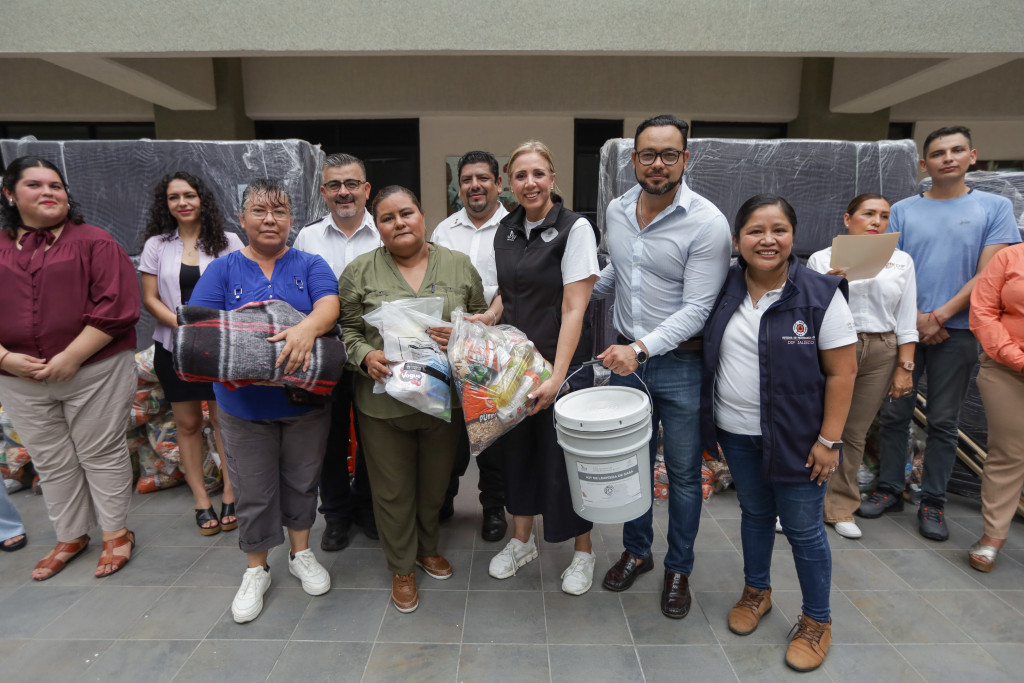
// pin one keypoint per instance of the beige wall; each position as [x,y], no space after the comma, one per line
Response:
[992,139]
[34,90]
[443,136]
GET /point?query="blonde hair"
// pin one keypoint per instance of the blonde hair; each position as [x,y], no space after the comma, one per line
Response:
[541,149]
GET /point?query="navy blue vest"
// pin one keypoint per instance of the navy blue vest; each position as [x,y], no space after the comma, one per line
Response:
[792,379]
[530,279]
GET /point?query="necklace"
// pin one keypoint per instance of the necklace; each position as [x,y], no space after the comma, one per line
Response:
[640,213]
[778,282]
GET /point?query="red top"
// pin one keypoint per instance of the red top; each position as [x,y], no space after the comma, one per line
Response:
[86,278]
[997,307]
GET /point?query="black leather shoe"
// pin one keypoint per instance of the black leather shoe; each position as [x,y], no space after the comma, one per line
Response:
[494,525]
[447,511]
[675,597]
[368,525]
[335,536]
[623,573]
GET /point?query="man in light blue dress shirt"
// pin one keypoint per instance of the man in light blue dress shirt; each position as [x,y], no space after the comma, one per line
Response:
[669,249]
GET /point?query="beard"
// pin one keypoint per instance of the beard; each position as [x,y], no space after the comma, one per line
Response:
[663,189]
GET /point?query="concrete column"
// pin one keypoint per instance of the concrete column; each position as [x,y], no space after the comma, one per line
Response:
[227,122]
[816,121]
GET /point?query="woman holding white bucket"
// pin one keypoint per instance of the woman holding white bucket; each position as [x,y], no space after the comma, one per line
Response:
[779,369]
[546,259]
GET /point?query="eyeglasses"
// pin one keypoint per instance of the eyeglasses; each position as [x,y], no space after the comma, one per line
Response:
[260,213]
[669,157]
[351,185]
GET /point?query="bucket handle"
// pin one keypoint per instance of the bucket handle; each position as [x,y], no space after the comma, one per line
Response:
[590,363]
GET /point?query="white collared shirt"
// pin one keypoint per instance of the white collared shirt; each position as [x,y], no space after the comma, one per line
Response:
[458,233]
[338,249]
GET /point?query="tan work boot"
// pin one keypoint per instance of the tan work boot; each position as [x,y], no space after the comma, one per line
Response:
[809,645]
[746,615]
[404,593]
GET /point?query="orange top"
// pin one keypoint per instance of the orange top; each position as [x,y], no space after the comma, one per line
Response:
[997,307]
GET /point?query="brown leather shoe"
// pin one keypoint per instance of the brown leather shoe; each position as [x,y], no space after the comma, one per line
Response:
[404,593]
[623,573]
[746,615]
[809,645]
[436,566]
[675,597]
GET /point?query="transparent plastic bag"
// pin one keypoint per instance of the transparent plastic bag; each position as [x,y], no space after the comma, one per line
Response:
[420,374]
[495,370]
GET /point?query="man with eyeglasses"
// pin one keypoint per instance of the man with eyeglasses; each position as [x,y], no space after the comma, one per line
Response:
[347,231]
[669,252]
[471,231]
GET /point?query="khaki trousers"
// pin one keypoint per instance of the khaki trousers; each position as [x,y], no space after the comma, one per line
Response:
[1002,392]
[75,433]
[876,361]
[409,460]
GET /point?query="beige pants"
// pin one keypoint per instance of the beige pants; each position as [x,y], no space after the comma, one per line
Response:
[1002,392]
[876,361]
[75,433]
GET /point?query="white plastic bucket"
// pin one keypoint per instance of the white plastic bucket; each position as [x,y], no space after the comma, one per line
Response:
[605,434]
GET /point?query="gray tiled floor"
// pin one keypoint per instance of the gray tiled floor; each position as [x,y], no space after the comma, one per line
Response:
[904,608]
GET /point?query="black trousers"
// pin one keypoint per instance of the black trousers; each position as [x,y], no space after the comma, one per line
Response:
[340,500]
[492,479]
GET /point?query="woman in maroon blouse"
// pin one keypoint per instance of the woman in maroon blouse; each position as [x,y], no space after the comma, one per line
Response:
[70,299]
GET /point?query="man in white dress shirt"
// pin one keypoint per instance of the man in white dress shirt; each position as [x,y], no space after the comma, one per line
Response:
[471,231]
[347,231]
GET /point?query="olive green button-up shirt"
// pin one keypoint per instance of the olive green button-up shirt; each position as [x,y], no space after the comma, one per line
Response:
[373,278]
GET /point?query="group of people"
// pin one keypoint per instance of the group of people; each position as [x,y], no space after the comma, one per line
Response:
[780,365]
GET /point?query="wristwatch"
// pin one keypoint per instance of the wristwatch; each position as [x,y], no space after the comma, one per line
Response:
[907,365]
[641,355]
[833,445]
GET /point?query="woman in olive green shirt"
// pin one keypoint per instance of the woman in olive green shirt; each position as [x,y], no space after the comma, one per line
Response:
[409,454]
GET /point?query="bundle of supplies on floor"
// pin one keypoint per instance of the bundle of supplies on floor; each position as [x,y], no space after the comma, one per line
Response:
[15,462]
[495,369]
[420,374]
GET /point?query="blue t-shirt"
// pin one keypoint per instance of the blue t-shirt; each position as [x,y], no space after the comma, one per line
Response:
[232,281]
[945,239]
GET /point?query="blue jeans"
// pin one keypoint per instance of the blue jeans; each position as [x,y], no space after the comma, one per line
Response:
[949,367]
[673,380]
[799,507]
[10,520]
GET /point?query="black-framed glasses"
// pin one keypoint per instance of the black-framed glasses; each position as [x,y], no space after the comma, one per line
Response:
[351,185]
[669,157]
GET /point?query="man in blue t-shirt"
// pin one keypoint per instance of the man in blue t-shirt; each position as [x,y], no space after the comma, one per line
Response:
[951,232]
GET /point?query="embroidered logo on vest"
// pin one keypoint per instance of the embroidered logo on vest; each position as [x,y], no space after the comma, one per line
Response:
[549,234]
[511,236]
[799,328]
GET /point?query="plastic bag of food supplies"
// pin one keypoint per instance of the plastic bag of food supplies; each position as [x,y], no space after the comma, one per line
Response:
[495,370]
[420,375]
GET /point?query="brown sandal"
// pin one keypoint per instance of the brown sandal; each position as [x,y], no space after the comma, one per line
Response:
[56,566]
[108,556]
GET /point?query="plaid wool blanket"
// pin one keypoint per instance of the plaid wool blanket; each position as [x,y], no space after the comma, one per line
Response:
[231,347]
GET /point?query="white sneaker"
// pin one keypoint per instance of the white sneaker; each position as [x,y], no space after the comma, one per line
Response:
[315,579]
[512,557]
[248,602]
[778,525]
[578,577]
[848,529]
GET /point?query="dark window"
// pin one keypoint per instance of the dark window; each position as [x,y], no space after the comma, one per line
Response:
[62,130]
[590,135]
[737,129]
[901,130]
[390,148]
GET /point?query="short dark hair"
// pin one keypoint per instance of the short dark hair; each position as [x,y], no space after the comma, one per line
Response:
[390,190]
[479,157]
[274,189]
[753,204]
[662,120]
[10,217]
[861,198]
[342,159]
[948,130]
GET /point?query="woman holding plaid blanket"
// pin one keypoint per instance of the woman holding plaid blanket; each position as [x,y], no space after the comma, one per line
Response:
[274,449]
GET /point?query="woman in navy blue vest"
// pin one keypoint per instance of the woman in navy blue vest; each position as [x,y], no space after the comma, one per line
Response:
[546,258]
[779,369]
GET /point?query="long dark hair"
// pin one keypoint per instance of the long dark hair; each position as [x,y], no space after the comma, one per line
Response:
[212,237]
[10,217]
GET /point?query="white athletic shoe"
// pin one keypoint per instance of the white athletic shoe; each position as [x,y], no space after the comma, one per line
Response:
[248,602]
[304,566]
[578,576]
[848,529]
[512,557]
[778,525]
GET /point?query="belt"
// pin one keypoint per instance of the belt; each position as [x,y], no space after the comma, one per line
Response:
[695,344]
